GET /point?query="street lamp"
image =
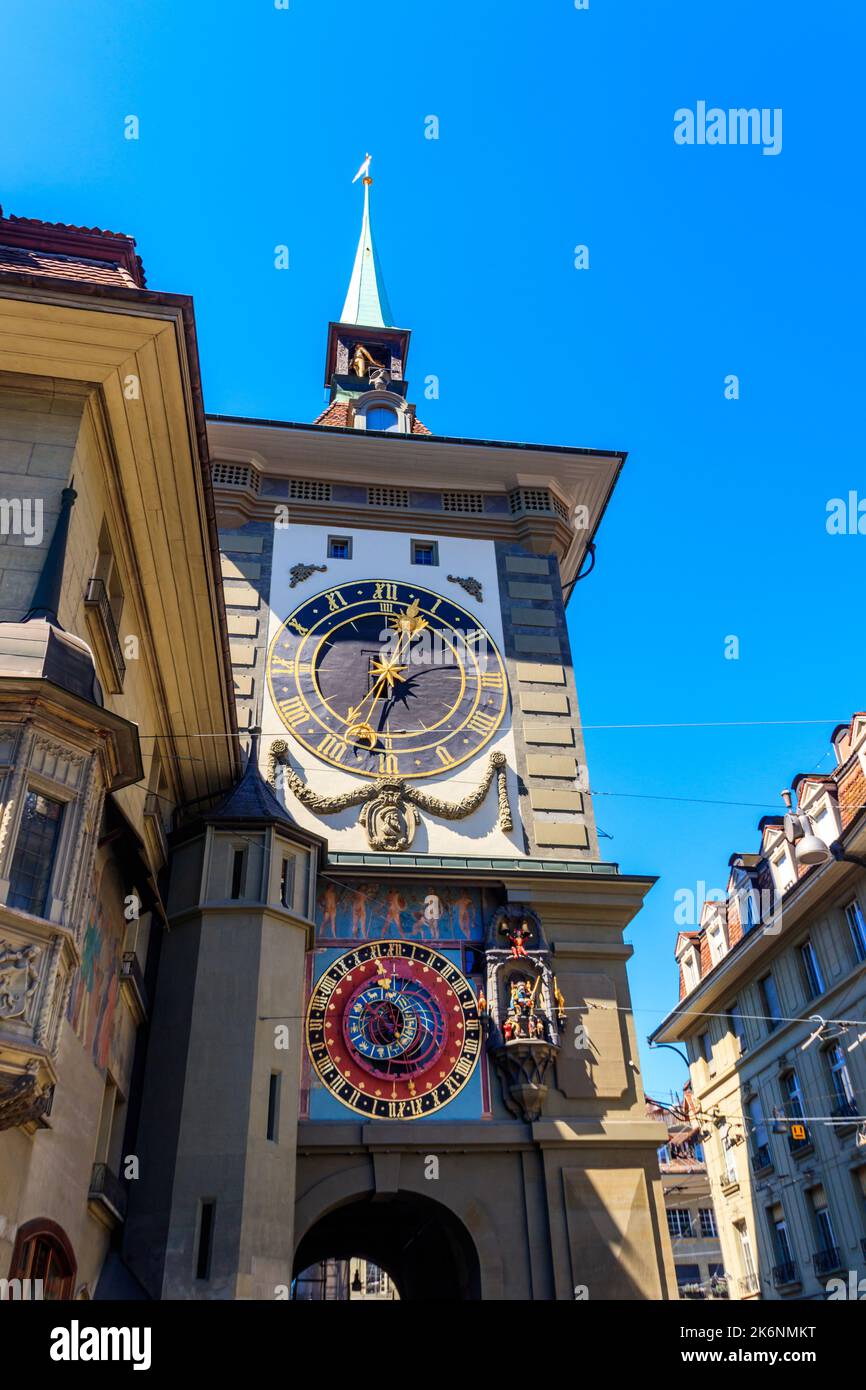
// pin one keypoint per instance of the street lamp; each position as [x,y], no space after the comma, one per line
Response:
[808,849]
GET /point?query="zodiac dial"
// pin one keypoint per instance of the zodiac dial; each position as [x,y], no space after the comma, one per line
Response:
[393,1030]
[381,677]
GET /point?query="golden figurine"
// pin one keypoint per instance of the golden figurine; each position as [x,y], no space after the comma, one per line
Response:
[362,362]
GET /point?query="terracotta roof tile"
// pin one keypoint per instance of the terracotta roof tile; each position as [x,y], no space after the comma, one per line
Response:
[337,416]
[852,794]
[51,264]
[60,251]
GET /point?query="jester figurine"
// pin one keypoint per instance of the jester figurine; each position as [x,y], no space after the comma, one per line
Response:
[517,937]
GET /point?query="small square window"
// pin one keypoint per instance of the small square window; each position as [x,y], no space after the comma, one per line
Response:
[339,547]
[425,553]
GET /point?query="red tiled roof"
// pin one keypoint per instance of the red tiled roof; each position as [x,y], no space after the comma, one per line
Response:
[850,780]
[56,250]
[337,415]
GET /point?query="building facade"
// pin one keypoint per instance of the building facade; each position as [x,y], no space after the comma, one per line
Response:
[113,654]
[772,1001]
[691,1217]
[381,1013]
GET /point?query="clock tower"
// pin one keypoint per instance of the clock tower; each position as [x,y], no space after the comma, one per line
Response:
[439,1070]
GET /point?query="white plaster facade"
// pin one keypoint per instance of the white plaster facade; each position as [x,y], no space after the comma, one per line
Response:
[387,554]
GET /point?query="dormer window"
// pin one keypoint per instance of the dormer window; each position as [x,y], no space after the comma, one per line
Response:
[690,971]
[381,410]
[783,871]
[718,944]
[825,823]
[382,417]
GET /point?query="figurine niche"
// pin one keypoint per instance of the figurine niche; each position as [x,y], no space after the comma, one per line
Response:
[522,1021]
[363,364]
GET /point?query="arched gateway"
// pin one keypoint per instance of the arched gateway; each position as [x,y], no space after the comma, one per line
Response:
[424,1247]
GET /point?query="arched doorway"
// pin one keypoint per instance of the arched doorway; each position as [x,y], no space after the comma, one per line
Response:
[423,1246]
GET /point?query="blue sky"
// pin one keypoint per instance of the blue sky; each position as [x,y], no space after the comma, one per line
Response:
[556,129]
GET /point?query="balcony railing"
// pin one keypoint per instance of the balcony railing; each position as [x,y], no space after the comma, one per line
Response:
[785,1273]
[96,598]
[762,1158]
[846,1110]
[826,1261]
[748,1284]
[106,1188]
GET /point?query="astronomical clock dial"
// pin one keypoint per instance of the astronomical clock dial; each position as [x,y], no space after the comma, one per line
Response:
[379,677]
[393,1030]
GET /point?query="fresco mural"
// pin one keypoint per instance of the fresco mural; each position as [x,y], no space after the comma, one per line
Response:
[93,1003]
[364,911]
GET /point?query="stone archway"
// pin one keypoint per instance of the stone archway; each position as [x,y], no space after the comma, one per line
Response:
[423,1246]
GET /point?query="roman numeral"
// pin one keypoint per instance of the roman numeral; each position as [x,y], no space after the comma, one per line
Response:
[298,627]
[336,600]
[294,711]
[388,763]
[383,590]
[331,747]
[493,682]
[482,723]
[281,661]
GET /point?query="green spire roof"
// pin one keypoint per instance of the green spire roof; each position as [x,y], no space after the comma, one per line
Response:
[367,301]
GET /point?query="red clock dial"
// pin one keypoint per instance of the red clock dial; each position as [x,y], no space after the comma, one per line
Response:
[393,1030]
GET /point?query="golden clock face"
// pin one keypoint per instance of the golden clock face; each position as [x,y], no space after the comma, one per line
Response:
[381,677]
[393,1030]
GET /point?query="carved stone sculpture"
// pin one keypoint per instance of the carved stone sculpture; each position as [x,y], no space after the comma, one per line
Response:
[472,586]
[19,979]
[298,573]
[388,816]
[22,1099]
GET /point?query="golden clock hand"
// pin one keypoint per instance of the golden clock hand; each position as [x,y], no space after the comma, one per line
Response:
[372,694]
[388,671]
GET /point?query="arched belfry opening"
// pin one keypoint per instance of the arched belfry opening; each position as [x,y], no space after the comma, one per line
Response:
[424,1247]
